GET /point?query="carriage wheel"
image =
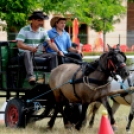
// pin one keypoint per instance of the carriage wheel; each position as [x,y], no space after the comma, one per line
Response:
[14,113]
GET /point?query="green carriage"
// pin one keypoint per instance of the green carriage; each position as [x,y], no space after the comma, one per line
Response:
[20,95]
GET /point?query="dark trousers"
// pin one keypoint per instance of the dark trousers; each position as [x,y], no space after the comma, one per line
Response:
[29,61]
[52,59]
[70,57]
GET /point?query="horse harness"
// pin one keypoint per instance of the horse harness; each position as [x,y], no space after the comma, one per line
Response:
[86,70]
[112,66]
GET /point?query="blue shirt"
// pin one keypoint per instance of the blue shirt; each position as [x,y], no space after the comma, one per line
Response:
[63,41]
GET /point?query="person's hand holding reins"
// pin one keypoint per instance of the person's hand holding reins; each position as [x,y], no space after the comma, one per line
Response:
[60,53]
[34,49]
[80,52]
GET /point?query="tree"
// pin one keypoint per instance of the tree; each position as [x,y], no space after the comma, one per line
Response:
[99,14]
[109,12]
[15,12]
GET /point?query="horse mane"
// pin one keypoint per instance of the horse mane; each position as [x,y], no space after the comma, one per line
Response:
[88,68]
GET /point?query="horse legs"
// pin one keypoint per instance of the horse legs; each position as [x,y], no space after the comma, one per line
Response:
[131,115]
[110,112]
[47,110]
[115,106]
[59,108]
[66,118]
[130,118]
[72,112]
[82,117]
[93,110]
[53,117]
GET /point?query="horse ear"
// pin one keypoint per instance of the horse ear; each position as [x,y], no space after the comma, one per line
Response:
[109,47]
[118,46]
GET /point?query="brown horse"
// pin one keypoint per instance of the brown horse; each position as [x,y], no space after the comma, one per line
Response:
[76,83]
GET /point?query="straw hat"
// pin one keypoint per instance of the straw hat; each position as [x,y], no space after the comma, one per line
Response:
[38,15]
[55,19]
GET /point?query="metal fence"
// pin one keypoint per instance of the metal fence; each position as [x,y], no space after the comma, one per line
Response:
[130,39]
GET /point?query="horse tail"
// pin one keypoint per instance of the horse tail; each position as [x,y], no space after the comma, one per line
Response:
[93,108]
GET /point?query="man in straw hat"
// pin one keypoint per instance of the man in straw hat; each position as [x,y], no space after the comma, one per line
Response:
[29,39]
[62,39]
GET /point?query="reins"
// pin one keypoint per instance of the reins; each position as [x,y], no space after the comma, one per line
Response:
[73,81]
[86,82]
[31,100]
[85,79]
[73,59]
[70,81]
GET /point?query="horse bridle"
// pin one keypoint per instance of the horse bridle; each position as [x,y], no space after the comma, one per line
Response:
[118,66]
[112,67]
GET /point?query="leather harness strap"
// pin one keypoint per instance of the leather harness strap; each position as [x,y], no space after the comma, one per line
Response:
[90,80]
[73,81]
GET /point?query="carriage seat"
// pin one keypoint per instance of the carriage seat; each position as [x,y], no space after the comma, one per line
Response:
[41,64]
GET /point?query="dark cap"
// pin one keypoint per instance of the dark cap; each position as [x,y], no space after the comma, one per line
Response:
[38,15]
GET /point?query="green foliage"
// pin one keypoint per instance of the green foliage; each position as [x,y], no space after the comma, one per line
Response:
[95,13]
[15,12]
[106,13]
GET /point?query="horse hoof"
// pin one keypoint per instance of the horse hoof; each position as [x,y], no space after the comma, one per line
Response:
[68,126]
[90,126]
[115,128]
[48,128]
[128,131]
[84,123]
[77,127]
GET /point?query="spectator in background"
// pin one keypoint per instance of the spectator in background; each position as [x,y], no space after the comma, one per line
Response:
[98,44]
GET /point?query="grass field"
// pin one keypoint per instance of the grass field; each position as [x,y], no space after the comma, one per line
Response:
[40,126]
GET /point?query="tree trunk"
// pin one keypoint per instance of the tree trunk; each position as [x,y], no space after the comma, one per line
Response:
[104,41]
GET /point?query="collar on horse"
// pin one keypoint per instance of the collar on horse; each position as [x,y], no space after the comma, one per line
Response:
[86,68]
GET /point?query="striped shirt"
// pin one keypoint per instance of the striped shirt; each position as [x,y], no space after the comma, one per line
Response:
[32,38]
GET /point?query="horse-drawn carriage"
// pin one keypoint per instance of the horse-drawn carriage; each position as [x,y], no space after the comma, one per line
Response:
[83,83]
[19,94]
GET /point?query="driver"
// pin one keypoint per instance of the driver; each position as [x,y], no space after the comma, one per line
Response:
[28,40]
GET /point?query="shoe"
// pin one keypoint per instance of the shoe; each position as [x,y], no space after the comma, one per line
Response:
[40,81]
[32,80]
